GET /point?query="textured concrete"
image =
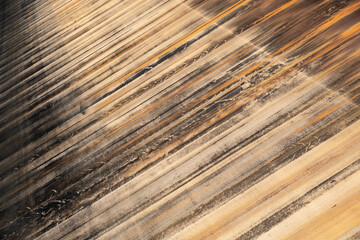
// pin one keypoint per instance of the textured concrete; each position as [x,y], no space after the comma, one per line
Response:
[180,119]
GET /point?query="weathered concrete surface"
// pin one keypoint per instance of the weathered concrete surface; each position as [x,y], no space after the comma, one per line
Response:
[180,119]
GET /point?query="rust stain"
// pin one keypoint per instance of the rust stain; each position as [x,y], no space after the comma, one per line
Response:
[182,119]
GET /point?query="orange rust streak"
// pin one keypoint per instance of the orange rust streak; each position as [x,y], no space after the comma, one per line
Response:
[276,11]
[284,70]
[174,94]
[176,116]
[328,23]
[337,41]
[172,47]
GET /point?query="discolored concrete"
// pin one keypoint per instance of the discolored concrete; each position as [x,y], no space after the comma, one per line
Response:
[180,119]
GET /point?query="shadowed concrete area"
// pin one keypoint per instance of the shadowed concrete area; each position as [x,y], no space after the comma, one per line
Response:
[180,119]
